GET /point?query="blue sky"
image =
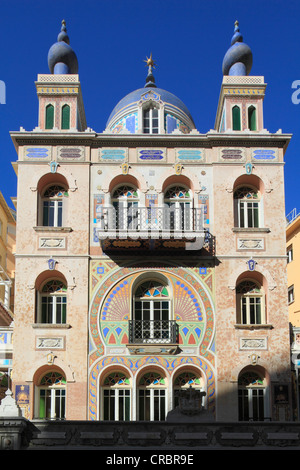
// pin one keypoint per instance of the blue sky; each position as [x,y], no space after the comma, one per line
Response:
[188,40]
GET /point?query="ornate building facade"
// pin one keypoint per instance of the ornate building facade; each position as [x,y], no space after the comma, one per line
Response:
[150,258]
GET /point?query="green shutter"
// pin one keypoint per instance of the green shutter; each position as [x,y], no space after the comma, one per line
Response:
[236,118]
[252,118]
[49,116]
[65,117]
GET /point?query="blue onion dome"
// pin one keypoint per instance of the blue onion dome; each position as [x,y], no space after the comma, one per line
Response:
[238,59]
[126,116]
[61,57]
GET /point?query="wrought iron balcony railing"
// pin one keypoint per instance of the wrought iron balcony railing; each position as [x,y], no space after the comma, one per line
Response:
[150,222]
[152,331]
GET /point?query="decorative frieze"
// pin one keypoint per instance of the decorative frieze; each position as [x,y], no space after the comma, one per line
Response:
[265,155]
[37,153]
[113,155]
[57,242]
[250,244]
[190,155]
[70,154]
[50,342]
[152,155]
[232,155]
[253,343]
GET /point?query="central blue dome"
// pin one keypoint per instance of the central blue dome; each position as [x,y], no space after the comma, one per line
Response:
[134,98]
[127,115]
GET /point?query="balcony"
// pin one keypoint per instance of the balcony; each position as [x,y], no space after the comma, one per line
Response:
[150,223]
[153,336]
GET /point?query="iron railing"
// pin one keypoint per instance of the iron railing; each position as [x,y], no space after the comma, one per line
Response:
[150,222]
[152,331]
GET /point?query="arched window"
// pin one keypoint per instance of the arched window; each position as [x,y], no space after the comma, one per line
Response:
[152,397]
[247,207]
[236,118]
[150,120]
[49,117]
[250,303]
[185,381]
[52,206]
[251,397]
[178,202]
[116,402]
[125,200]
[52,303]
[252,118]
[151,314]
[65,117]
[51,400]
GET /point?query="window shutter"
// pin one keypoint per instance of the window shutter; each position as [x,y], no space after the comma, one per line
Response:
[65,117]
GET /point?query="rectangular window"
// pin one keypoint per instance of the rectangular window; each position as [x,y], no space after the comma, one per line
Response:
[291,296]
[290,254]
[251,404]
[249,214]
[251,310]
[52,403]
[53,309]
[152,404]
[116,404]
[52,213]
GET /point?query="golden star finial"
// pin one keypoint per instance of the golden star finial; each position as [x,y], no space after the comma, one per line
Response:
[150,61]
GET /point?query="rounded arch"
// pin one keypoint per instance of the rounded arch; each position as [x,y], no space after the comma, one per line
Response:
[151,276]
[249,180]
[260,370]
[114,369]
[119,180]
[152,369]
[177,180]
[46,369]
[51,179]
[255,276]
[48,275]
[189,369]
[261,274]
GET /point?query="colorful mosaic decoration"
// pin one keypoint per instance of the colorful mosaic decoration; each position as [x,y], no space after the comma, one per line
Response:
[187,379]
[152,378]
[190,291]
[116,378]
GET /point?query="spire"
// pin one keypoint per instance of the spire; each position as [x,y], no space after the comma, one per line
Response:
[62,36]
[61,57]
[150,80]
[237,37]
[238,58]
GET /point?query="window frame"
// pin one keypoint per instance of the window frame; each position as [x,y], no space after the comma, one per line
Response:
[291,294]
[55,394]
[115,397]
[151,317]
[248,213]
[152,398]
[180,209]
[290,254]
[52,208]
[130,206]
[53,305]
[151,109]
[246,304]
[252,398]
